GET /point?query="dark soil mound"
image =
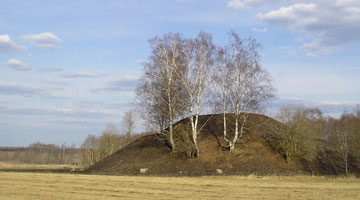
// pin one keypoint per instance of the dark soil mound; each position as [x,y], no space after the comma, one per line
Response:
[254,153]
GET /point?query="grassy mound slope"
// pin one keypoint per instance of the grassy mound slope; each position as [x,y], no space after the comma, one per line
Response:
[254,153]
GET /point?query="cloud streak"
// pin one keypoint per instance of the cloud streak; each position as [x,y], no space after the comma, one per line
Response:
[17,89]
[260,30]
[43,40]
[17,65]
[49,69]
[123,85]
[76,75]
[97,116]
[25,91]
[56,112]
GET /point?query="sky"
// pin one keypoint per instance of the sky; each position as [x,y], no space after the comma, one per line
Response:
[69,68]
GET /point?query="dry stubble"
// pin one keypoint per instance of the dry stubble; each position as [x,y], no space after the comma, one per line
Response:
[72,186]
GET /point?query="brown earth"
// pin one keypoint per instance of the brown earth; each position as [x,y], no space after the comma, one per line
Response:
[254,154]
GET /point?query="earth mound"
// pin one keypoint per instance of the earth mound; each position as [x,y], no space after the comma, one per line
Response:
[255,153]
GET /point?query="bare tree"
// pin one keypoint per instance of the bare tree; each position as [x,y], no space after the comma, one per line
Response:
[107,142]
[40,153]
[150,104]
[245,84]
[356,134]
[199,58]
[289,141]
[342,134]
[299,131]
[128,123]
[88,149]
[160,92]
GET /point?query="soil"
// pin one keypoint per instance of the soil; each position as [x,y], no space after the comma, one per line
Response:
[254,154]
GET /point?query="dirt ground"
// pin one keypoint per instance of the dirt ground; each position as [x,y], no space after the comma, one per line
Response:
[252,154]
[255,153]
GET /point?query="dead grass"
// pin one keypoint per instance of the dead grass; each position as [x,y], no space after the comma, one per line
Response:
[4,166]
[73,186]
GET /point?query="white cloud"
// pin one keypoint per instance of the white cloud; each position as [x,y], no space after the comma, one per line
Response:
[42,40]
[82,75]
[318,47]
[9,46]
[245,4]
[288,15]
[237,5]
[17,65]
[326,26]
[261,30]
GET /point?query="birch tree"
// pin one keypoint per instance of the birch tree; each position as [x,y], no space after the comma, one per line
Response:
[343,135]
[199,57]
[88,149]
[161,91]
[245,84]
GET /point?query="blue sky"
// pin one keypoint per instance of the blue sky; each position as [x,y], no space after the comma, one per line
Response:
[68,68]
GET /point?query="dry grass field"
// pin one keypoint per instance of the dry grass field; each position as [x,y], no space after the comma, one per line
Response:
[4,166]
[17,185]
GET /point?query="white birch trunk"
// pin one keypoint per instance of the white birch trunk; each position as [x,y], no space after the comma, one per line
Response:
[225,132]
[170,105]
[171,131]
[236,135]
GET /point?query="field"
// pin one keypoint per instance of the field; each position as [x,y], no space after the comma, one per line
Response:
[18,185]
[21,167]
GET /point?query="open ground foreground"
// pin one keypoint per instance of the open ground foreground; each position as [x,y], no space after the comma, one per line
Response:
[16,185]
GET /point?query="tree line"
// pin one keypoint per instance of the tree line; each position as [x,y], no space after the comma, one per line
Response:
[307,132]
[95,148]
[41,154]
